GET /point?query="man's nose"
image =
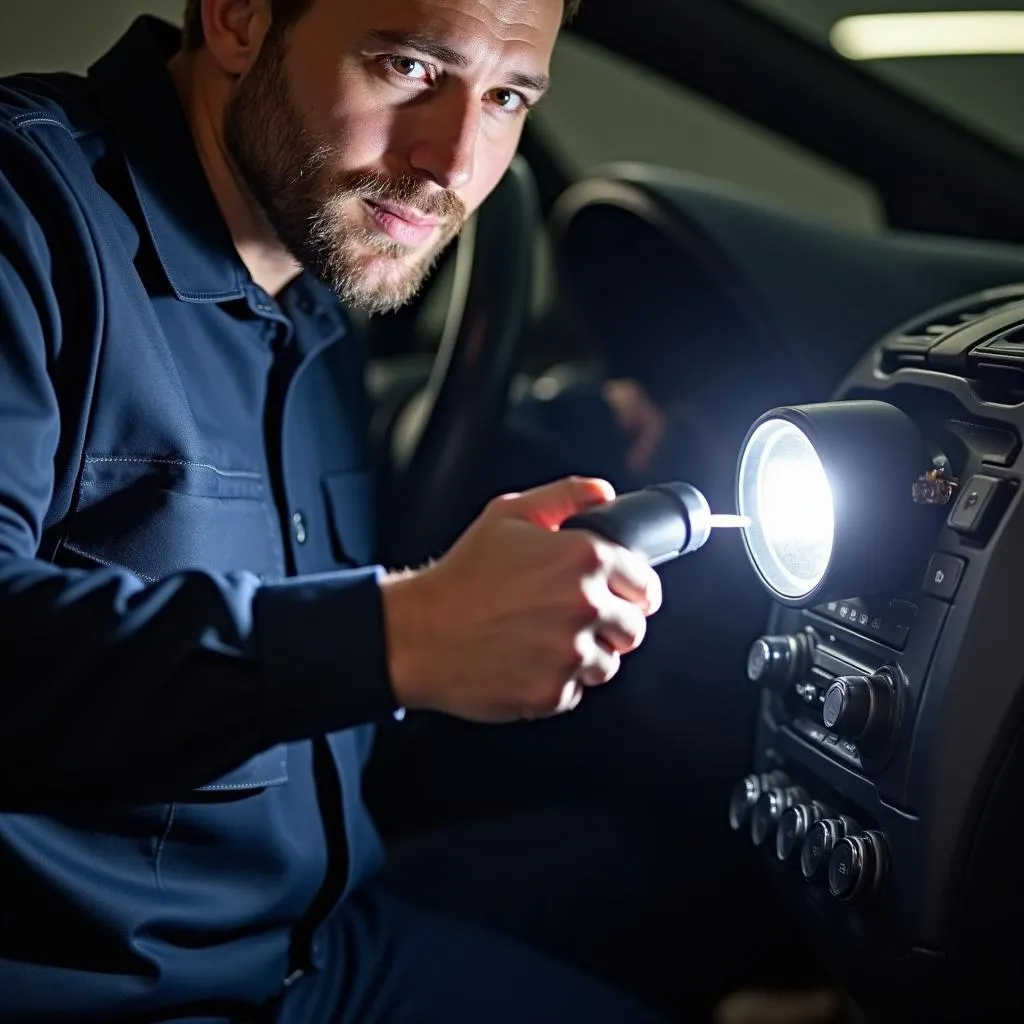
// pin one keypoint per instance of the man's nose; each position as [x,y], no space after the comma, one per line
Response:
[445,147]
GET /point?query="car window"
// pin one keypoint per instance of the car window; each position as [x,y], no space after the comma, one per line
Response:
[980,83]
[603,108]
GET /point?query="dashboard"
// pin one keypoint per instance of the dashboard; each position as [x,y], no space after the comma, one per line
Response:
[885,787]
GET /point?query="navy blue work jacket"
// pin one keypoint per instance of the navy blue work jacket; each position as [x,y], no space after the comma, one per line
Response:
[191,659]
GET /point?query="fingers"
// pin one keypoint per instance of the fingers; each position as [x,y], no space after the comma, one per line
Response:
[619,628]
[549,506]
[622,627]
[631,578]
[599,663]
[572,694]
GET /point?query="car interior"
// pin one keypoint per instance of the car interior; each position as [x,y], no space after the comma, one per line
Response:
[839,767]
[720,204]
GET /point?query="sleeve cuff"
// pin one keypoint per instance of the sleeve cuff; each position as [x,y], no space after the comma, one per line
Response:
[321,651]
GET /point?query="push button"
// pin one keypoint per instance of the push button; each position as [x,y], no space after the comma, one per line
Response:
[844,870]
[943,576]
[979,507]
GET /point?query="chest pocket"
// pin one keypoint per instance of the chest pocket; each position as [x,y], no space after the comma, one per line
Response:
[154,517]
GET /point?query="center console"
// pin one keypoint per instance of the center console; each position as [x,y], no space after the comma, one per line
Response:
[886,789]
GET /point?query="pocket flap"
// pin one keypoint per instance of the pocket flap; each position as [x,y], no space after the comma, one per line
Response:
[155,517]
[350,509]
[267,769]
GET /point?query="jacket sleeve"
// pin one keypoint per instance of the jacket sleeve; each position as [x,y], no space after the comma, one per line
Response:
[114,690]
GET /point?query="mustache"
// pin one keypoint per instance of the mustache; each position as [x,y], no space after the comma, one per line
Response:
[403,190]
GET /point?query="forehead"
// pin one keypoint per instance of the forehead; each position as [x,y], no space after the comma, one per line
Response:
[480,29]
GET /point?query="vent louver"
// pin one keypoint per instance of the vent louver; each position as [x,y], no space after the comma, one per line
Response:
[911,343]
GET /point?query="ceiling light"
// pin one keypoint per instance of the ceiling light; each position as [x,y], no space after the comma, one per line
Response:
[928,34]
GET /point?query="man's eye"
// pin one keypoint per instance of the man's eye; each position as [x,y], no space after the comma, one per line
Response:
[408,67]
[508,100]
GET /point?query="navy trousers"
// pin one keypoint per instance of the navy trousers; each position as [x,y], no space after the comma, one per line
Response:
[397,964]
[489,920]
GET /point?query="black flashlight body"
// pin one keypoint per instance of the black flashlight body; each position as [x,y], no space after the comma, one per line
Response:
[659,522]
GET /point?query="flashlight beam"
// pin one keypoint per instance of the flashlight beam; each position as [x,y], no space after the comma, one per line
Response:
[724,521]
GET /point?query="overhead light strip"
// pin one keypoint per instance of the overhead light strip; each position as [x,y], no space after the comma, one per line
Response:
[928,34]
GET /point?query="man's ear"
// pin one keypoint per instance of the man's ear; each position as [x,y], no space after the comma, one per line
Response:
[234,32]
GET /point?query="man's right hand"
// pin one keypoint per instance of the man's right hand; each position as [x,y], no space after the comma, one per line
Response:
[517,618]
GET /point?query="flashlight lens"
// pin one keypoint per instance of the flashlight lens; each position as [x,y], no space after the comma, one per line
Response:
[784,490]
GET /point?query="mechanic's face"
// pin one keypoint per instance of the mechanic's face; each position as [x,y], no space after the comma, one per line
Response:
[373,128]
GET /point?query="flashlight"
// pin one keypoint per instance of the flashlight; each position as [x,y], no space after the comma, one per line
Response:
[659,522]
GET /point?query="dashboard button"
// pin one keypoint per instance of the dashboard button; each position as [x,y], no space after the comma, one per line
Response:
[977,510]
[943,576]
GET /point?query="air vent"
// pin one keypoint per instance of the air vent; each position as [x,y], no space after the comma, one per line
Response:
[911,343]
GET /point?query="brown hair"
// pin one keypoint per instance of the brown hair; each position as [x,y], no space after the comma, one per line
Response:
[284,13]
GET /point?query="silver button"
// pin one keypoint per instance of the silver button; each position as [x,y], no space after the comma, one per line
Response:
[299,526]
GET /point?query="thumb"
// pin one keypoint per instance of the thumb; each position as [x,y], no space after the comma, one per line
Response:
[549,506]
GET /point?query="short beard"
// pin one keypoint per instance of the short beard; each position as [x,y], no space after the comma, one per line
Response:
[290,175]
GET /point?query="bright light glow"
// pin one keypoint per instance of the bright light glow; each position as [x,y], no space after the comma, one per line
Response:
[785,491]
[795,501]
[928,34]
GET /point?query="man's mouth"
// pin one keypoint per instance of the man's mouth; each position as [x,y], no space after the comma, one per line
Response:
[402,224]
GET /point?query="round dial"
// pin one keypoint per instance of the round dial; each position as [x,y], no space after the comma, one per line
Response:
[864,708]
[746,792]
[770,807]
[779,661]
[858,865]
[821,840]
[794,825]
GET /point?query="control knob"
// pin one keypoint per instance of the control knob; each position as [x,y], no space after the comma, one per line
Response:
[770,807]
[864,709]
[794,825]
[746,792]
[780,661]
[858,866]
[821,840]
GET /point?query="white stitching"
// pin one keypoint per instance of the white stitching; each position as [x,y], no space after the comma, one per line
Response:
[245,474]
[27,120]
[243,785]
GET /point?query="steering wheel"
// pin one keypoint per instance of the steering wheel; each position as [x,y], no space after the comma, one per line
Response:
[443,432]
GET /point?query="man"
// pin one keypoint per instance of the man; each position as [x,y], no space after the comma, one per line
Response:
[193,660]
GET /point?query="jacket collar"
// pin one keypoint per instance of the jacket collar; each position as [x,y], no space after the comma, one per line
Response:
[137,96]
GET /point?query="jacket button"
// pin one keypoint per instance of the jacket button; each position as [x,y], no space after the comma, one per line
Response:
[299,527]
